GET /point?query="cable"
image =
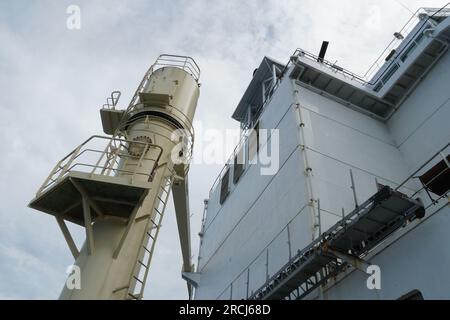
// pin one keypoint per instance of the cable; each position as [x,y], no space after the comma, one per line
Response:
[404,6]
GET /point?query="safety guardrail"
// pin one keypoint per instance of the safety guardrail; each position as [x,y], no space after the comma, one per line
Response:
[93,157]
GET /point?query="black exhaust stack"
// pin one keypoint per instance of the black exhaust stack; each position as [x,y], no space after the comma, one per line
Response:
[323,51]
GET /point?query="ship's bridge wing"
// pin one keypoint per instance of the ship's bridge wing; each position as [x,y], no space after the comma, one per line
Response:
[260,88]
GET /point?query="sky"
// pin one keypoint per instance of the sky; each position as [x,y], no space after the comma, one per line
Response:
[54,80]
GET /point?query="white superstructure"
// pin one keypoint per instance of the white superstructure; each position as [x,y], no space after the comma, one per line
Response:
[363,179]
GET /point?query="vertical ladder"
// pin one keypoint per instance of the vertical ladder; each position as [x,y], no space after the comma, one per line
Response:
[141,86]
[142,264]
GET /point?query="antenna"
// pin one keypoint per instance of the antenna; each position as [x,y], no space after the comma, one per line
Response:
[404,6]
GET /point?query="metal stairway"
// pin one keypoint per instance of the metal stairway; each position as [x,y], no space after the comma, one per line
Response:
[353,237]
[153,225]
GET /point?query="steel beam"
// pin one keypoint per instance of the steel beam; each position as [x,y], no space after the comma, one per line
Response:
[72,246]
[354,261]
[88,225]
[193,278]
[84,194]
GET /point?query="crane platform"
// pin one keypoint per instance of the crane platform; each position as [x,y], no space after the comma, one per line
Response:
[108,196]
[89,178]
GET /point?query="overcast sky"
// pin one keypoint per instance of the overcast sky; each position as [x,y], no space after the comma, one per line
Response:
[54,80]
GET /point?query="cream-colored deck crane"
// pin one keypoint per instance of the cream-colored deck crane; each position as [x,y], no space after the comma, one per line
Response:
[117,187]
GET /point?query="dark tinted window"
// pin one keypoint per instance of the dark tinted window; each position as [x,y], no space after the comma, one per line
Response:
[239,162]
[225,186]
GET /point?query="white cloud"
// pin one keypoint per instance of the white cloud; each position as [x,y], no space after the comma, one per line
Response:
[54,80]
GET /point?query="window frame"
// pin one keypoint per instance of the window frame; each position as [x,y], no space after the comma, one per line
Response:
[224,182]
[253,138]
[238,168]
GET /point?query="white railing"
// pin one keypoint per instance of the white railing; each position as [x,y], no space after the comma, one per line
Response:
[166,60]
[401,35]
[367,78]
[100,155]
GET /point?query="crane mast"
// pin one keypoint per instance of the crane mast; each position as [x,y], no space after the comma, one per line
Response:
[117,186]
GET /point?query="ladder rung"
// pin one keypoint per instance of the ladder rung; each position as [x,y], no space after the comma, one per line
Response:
[133,296]
[142,218]
[152,234]
[137,279]
[120,289]
[146,249]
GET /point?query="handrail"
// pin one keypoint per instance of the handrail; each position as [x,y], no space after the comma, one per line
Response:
[422,166]
[243,138]
[103,167]
[314,245]
[361,79]
[185,63]
[351,215]
[331,65]
[404,32]
[112,100]
[67,164]
[391,45]
[242,141]
[366,78]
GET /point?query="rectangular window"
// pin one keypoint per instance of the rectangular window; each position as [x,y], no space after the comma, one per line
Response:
[412,47]
[378,86]
[390,73]
[239,163]
[225,186]
[253,142]
[408,52]
[437,179]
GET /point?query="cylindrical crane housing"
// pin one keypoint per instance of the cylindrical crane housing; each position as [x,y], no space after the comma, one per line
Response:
[164,102]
